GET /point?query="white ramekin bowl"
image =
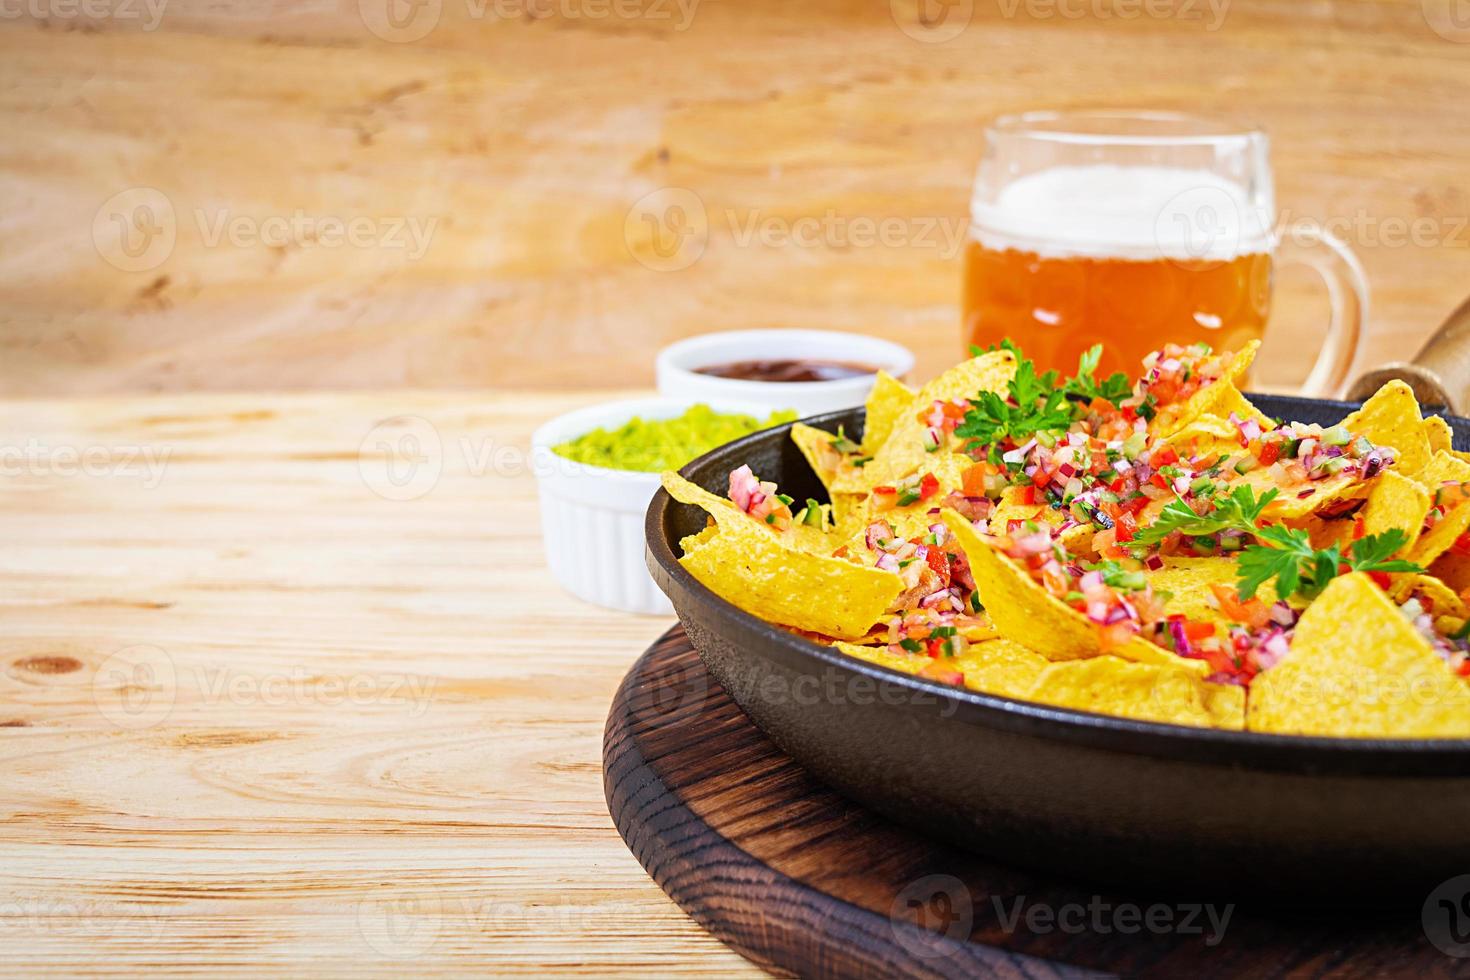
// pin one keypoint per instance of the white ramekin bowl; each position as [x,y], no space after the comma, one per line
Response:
[677,377]
[592,517]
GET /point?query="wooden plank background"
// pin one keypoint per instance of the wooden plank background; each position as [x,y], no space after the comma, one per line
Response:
[291,150]
[257,716]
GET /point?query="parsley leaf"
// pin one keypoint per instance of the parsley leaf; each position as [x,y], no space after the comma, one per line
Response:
[1289,551]
[1086,387]
[1372,553]
[1034,403]
[1287,556]
[1238,511]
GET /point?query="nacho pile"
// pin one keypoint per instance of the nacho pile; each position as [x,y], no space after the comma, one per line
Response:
[1153,547]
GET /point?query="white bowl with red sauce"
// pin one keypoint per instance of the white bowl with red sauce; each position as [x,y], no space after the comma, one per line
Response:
[812,371]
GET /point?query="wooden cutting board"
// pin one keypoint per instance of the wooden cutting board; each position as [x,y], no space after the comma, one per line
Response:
[801,881]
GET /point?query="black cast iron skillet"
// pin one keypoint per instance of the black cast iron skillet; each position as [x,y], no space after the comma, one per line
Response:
[1203,812]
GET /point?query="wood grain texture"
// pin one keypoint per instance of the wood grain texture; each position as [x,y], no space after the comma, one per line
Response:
[255,716]
[523,139]
[802,881]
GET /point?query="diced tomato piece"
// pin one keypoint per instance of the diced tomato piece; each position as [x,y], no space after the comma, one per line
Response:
[1040,478]
[1462,544]
[1465,669]
[1253,612]
[928,486]
[1163,456]
[1268,453]
[972,481]
[1028,495]
[1380,579]
[1194,631]
[1125,526]
[938,563]
[1165,390]
[1116,635]
[1359,528]
[840,552]
[1134,504]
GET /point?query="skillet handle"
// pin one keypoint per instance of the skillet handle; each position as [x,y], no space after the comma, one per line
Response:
[1439,373]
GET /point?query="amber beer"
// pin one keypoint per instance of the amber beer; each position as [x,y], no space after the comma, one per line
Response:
[1130,257]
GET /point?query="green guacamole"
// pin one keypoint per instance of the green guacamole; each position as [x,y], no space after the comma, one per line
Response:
[655,445]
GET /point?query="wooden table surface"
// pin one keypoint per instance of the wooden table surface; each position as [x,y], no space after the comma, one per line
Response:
[256,714]
[547,191]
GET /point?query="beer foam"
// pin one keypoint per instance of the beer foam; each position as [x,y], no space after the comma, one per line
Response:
[1110,211]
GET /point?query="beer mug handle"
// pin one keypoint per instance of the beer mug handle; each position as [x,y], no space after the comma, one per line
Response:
[1347,289]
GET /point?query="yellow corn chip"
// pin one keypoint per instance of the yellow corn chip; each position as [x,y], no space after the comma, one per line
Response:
[1391,418]
[887,402]
[1441,597]
[996,666]
[1206,435]
[776,575]
[1233,401]
[1444,467]
[1358,668]
[1010,508]
[1439,434]
[1146,692]
[902,453]
[1208,400]
[1025,612]
[1395,502]
[1439,539]
[1188,581]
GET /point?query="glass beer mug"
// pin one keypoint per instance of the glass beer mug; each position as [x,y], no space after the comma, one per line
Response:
[1133,230]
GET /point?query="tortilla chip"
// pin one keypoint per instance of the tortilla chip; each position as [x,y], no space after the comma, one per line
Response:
[778,577]
[1233,401]
[1291,504]
[1440,538]
[902,453]
[997,666]
[1205,436]
[888,400]
[1358,668]
[1010,508]
[1025,612]
[1439,434]
[1395,502]
[1391,418]
[1208,400]
[1104,684]
[815,445]
[1443,600]
[1188,581]
[1146,692]
[1444,467]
